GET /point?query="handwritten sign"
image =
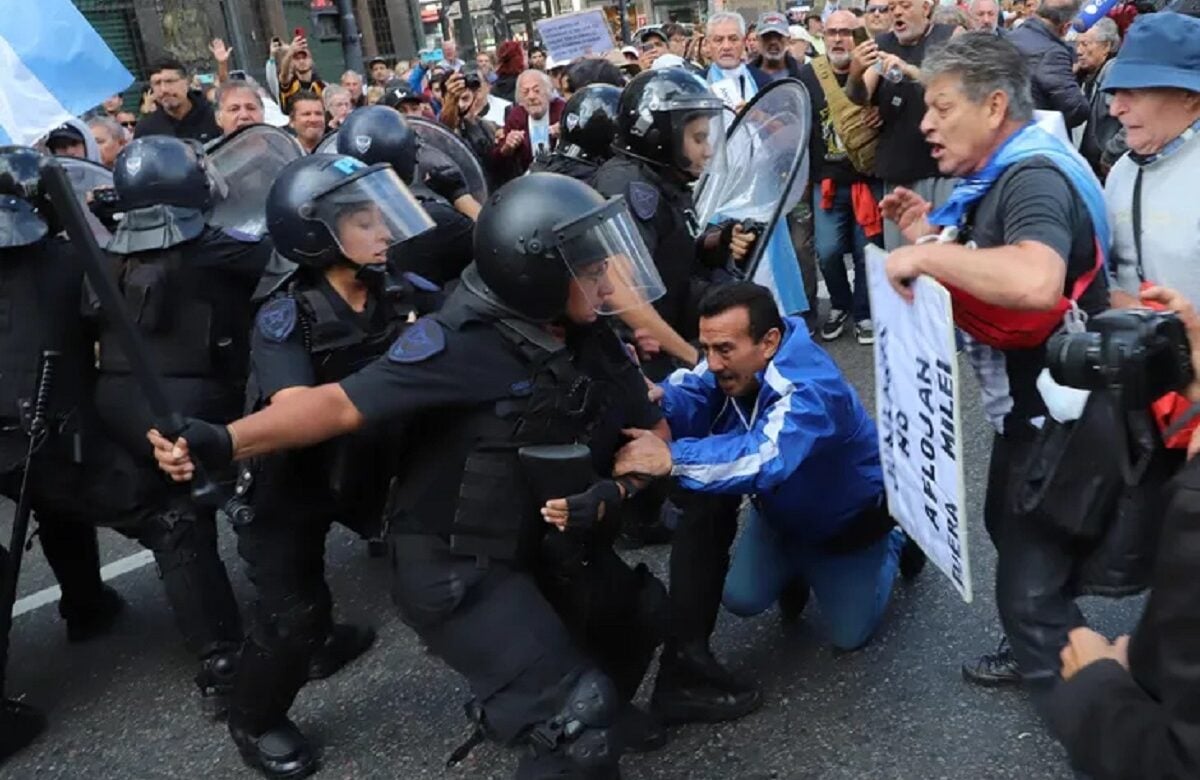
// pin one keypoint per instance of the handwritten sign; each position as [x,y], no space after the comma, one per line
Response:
[572,36]
[918,416]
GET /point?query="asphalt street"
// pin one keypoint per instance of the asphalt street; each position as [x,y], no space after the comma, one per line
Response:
[124,706]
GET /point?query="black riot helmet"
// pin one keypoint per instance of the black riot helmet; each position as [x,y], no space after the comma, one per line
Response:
[375,134]
[325,209]
[159,170]
[25,211]
[589,122]
[540,231]
[658,123]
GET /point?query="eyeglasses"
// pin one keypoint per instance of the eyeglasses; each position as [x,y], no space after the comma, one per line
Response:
[837,32]
[129,124]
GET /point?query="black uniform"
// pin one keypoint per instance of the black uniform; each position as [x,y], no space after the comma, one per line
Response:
[306,334]
[567,165]
[191,302]
[476,385]
[441,253]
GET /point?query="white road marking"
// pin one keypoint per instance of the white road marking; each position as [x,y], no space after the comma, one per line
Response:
[110,572]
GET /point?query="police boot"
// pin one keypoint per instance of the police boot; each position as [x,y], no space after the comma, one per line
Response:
[693,687]
[266,685]
[580,741]
[19,725]
[640,731]
[218,668]
[343,644]
[92,618]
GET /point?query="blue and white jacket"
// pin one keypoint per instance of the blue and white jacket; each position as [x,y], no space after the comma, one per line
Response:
[806,450]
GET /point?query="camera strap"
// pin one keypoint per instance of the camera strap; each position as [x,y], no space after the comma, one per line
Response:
[1137,224]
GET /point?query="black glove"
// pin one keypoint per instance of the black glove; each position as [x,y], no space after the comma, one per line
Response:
[209,445]
[447,181]
[587,508]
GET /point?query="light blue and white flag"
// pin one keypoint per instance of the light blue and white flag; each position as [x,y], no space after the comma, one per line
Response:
[53,66]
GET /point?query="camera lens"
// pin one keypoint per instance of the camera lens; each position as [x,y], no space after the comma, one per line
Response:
[1074,359]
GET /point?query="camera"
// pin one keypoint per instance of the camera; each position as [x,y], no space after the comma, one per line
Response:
[471,80]
[1139,353]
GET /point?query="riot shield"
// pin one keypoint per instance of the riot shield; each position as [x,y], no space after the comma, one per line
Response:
[328,144]
[243,166]
[767,151]
[440,147]
[86,176]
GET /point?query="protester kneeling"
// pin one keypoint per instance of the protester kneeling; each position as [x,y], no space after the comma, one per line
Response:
[767,414]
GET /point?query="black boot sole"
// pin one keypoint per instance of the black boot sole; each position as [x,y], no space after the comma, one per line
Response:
[251,760]
[990,681]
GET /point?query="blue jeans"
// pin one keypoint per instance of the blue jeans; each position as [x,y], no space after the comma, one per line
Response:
[836,232]
[852,590]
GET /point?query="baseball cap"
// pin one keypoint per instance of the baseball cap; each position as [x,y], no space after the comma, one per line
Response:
[65,132]
[773,22]
[652,32]
[1160,50]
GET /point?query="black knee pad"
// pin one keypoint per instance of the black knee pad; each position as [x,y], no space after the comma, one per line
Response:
[299,626]
[582,729]
[178,537]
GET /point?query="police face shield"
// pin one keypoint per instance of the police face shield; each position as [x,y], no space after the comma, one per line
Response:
[369,213]
[20,224]
[699,147]
[241,168]
[608,259]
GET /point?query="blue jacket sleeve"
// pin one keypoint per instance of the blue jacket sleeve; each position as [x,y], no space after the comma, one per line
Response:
[691,401]
[763,457]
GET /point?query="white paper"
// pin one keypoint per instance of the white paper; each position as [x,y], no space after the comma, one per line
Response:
[572,36]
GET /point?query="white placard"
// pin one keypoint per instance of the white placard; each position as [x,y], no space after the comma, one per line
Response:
[729,91]
[918,415]
[572,36]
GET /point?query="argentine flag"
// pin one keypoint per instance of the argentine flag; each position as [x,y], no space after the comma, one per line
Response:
[53,66]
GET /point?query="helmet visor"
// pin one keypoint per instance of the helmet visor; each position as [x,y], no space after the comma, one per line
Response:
[609,260]
[699,147]
[370,213]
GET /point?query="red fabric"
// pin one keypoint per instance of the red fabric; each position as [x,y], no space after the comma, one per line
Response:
[1172,405]
[518,119]
[1008,329]
[1123,15]
[866,209]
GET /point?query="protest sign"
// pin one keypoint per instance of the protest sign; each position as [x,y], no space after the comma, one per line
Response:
[572,36]
[918,415]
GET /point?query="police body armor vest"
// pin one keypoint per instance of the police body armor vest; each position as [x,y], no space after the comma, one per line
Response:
[486,510]
[191,325]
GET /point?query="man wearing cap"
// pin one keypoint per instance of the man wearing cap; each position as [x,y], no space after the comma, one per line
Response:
[378,68]
[66,140]
[654,45]
[773,57]
[296,74]
[1155,88]
[1128,708]
[400,96]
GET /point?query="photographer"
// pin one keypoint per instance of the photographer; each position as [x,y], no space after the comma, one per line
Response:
[462,112]
[1127,709]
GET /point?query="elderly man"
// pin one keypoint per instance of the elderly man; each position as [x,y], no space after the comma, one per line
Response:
[886,72]
[773,58]
[985,16]
[1155,88]
[531,129]
[1040,41]
[1102,143]
[450,59]
[338,104]
[727,43]
[352,82]
[1035,212]
[238,105]
[110,138]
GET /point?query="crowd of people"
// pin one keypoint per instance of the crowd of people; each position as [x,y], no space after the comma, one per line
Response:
[585,369]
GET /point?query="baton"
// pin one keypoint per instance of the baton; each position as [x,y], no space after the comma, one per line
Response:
[57,186]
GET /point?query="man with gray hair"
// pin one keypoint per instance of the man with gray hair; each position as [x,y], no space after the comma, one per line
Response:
[531,129]
[110,138]
[985,16]
[726,38]
[1103,142]
[352,81]
[238,104]
[1051,61]
[1035,212]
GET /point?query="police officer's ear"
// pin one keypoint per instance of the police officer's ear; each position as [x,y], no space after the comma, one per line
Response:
[770,342]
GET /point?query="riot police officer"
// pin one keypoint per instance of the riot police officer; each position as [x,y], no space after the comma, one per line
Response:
[588,126]
[188,287]
[380,135]
[516,357]
[46,351]
[334,310]
[669,131]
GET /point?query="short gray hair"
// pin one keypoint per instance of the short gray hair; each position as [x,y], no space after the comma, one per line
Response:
[726,16]
[1059,12]
[353,73]
[985,64]
[114,129]
[234,85]
[541,76]
[1106,31]
[332,91]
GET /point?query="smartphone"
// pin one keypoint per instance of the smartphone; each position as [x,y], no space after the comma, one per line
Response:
[237,75]
[299,33]
[861,36]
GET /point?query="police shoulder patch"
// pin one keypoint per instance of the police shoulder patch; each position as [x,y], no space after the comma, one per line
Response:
[420,341]
[421,283]
[277,319]
[643,199]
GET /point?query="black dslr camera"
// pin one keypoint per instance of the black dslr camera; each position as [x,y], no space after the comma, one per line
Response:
[1139,353]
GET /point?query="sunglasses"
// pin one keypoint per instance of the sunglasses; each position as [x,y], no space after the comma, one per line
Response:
[129,124]
[877,9]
